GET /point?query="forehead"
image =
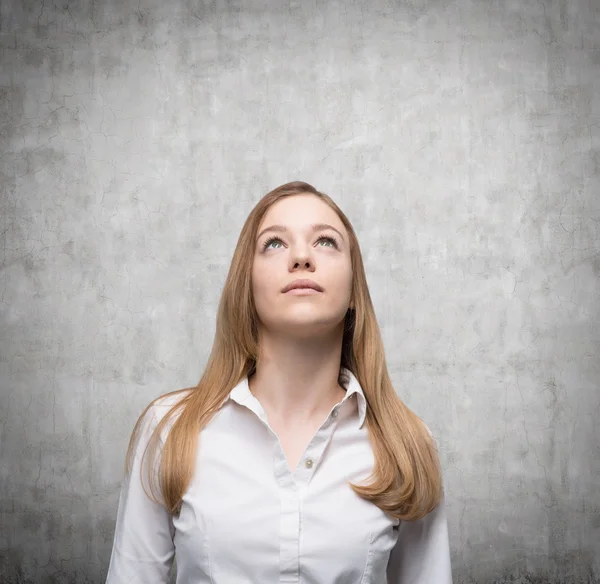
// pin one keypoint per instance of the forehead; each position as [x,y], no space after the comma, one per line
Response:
[301,210]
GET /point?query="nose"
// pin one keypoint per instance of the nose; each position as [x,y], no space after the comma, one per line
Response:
[301,259]
[305,263]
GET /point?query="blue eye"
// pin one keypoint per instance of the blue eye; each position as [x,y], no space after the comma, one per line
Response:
[271,240]
[328,238]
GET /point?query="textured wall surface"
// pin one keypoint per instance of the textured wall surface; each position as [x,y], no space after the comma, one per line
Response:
[463,141]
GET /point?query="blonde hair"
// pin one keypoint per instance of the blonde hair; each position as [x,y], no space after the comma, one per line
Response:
[406,480]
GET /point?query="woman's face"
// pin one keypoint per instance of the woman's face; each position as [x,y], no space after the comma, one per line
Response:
[292,251]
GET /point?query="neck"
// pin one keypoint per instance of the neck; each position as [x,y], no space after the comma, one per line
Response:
[297,380]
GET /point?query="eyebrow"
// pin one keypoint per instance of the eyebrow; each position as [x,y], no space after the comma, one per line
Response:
[314,226]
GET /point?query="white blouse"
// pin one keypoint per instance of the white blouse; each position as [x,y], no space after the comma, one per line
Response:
[247,518]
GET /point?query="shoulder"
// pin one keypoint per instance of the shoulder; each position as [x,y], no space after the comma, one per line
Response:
[160,407]
[429,434]
[163,403]
[428,429]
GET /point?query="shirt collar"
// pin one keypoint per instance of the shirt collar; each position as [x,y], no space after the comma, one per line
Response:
[353,386]
[242,395]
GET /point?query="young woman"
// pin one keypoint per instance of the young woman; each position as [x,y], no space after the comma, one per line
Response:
[293,460]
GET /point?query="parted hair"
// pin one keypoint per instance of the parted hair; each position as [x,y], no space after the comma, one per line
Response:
[406,481]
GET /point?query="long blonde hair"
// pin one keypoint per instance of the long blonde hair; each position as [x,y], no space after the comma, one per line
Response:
[406,481]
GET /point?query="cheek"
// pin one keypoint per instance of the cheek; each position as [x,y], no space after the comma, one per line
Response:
[262,285]
[348,277]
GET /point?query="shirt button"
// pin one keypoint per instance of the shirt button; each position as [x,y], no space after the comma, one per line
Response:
[334,414]
[308,463]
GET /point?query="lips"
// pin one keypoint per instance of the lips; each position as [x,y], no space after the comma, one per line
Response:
[303,284]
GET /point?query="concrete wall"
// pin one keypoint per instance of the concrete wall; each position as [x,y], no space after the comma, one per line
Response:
[463,141]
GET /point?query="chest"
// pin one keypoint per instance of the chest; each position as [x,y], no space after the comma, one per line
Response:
[248,518]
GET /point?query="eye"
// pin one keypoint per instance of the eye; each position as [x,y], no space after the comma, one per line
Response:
[330,239]
[327,238]
[271,240]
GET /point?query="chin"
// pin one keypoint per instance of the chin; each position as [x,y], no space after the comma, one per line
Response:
[303,327]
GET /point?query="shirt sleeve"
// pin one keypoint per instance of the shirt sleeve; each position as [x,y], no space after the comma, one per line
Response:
[421,554]
[143,548]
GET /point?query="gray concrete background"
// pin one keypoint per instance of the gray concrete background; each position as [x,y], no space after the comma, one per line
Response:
[463,141]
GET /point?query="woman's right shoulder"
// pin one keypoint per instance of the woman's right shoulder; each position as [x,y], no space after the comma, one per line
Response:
[163,403]
[160,406]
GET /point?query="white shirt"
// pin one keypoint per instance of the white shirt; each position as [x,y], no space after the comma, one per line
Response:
[247,518]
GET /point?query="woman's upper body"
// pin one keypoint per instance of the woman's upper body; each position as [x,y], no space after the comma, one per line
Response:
[247,517]
[282,466]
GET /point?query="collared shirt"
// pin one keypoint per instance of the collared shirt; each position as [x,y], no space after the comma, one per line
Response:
[247,518]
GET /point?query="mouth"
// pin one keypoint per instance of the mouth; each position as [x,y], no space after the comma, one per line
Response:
[303,291]
[298,286]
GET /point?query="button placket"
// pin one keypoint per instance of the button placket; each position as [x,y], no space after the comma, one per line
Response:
[314,451]
[289,525]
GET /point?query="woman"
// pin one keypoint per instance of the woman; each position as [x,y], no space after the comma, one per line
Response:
[292,460]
